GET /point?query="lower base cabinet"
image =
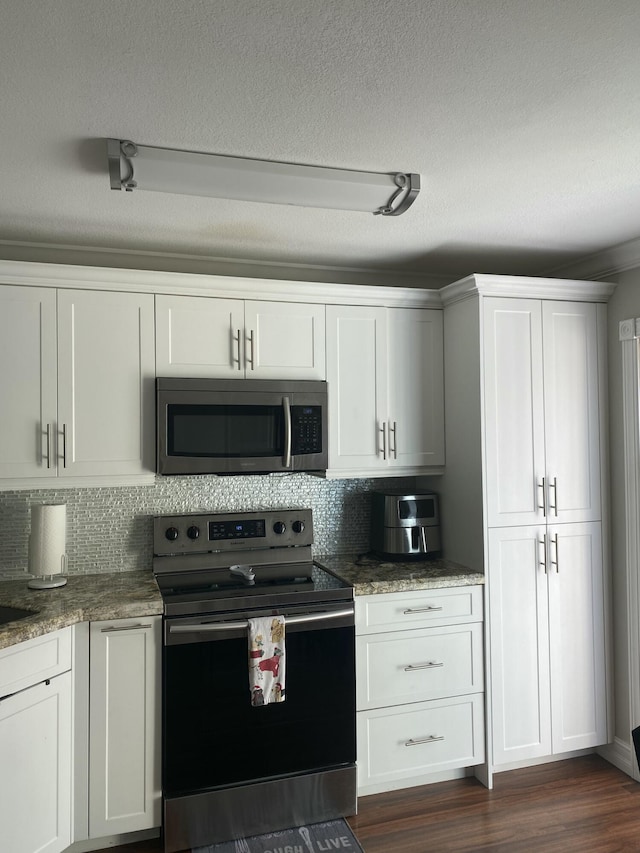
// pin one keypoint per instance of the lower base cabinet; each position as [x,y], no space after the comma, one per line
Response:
[36,745]
[124,726]
[420,686]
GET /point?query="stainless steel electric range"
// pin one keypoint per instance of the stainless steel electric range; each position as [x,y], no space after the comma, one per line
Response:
[231,769]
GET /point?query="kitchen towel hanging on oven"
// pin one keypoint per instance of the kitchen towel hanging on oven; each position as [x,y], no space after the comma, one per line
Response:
[266,660]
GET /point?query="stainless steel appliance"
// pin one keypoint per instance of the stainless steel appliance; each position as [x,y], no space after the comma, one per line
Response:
[240,426]
[231,769]
[405,526]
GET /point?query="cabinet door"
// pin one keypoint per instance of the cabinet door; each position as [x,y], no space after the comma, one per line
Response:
[124,724]
[35,779]
[416,387]
[199,336]
[519,644]
[357,377]
[576,633]
[572,431]
[28,410]
[284,340]
[514,411]
[106,373]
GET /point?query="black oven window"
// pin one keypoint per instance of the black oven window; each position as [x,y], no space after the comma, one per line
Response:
[225,431]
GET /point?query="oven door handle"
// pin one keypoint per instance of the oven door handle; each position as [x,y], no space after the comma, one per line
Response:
[211,627]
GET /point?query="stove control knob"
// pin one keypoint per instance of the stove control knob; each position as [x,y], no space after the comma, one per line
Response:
[172,534]
[298,526]
[279,527]
[193,532]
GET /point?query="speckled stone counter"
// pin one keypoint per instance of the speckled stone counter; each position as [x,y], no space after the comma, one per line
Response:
[370,575]
[85,598]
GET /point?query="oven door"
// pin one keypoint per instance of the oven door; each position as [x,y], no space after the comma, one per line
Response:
[213,737]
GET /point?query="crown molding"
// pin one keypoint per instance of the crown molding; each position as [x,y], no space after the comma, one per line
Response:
[229,287]
[604,264]
[195,264]
[530,287]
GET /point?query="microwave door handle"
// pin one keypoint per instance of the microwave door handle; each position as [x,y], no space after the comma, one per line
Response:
[287,432]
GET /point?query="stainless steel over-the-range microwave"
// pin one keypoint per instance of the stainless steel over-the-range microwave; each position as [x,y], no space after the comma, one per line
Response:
[240,426]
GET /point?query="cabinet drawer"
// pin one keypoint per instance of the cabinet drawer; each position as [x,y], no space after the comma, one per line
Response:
[419,740]
[34,660]
[412,666]
[396,611]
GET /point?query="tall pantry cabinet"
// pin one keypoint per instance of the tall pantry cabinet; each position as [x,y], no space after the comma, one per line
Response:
[522,494]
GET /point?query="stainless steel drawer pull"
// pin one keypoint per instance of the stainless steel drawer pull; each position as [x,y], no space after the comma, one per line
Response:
[418,741]
[554,506]
[48,445]
[383,430]
[431,665]
[393,449]
[211,627]
[543,561]
[429,609]
[123,628]
[236,339]
[64,445]
[542,486]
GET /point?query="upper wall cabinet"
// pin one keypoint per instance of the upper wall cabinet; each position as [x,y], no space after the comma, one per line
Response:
[230,338]
[385,374]
[80,399]
[542,411]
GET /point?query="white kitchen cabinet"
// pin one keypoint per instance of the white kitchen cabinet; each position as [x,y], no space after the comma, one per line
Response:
[124,725]
[233,338]
[35,745]
[82,404]
[28,382]
[419,686]
[385,375]
[541,387]
[546,618]
[524,495]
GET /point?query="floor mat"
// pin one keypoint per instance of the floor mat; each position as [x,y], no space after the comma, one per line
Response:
[335,835]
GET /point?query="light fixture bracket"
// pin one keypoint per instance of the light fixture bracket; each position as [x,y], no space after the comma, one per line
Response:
[248,179]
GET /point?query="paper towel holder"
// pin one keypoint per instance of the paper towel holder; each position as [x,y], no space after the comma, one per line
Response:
[50,581]
[47,546]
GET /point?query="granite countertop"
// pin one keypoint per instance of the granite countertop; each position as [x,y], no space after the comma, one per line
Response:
[370,575]
[85,598]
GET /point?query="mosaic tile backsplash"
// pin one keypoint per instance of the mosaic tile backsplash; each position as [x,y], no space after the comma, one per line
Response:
[110,529]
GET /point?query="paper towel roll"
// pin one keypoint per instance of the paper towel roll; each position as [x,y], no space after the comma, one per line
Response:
[47,543]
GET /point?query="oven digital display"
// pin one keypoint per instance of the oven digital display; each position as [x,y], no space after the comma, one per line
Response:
[236,529]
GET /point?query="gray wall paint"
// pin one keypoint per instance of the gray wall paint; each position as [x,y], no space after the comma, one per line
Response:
[624,303]
[110,529]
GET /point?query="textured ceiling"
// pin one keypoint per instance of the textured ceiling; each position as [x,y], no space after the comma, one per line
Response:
[522,117]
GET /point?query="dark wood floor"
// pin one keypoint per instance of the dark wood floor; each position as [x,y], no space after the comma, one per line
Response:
[583,805]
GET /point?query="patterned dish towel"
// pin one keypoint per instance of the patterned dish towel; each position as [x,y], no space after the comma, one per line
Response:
[266,660]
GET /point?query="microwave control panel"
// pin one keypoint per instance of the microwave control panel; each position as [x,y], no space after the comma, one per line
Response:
[306,429]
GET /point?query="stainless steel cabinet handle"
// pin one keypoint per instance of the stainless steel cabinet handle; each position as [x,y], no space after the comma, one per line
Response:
[212,627]
[431,665]
[542,486]
[64,445]
[430,608]
[383,430]
[236,339]
[251,349]
[394,449]
[123,628]
[418,741]
[556,562]
[554,506]
[543,562]
[48,445]
[287,432]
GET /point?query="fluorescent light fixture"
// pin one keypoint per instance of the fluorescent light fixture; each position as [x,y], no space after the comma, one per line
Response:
[144,167]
